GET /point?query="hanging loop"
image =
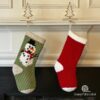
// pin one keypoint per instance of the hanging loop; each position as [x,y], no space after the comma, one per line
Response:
[70,25]
[28,26]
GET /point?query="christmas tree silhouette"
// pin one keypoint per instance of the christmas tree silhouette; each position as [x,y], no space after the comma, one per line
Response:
[28,12]
[69,12]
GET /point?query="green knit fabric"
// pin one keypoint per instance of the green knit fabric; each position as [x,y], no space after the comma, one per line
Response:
[26,79]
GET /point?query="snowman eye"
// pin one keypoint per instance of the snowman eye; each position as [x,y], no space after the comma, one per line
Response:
[23,54]
[26,62]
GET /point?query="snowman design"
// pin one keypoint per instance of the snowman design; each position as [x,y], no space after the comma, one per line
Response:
[27,55]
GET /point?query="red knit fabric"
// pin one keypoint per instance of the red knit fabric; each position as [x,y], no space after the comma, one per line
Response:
[69,58]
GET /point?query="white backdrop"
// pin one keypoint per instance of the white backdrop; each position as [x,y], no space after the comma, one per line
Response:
[12,36]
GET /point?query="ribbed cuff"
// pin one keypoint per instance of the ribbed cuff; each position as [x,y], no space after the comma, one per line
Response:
[77,38]
[35,37]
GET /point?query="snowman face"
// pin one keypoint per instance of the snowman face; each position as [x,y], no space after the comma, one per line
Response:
[25,59]
[30,47]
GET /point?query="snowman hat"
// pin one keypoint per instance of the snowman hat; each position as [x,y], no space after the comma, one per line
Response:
[32,42]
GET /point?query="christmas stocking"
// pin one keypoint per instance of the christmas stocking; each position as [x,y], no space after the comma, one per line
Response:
[65,66]
[23,68]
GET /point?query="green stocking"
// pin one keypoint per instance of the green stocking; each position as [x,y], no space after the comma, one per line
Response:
[24,66]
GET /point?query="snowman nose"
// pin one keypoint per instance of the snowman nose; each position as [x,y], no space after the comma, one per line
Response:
[32,49]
